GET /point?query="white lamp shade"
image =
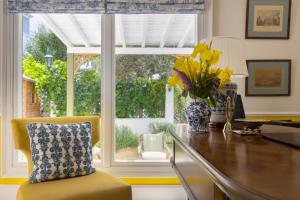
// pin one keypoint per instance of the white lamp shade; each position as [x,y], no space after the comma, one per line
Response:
[232,54]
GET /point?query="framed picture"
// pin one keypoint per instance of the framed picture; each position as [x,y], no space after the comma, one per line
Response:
[268,19]
[268,78]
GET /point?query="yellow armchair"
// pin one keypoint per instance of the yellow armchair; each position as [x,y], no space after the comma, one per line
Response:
[96,186]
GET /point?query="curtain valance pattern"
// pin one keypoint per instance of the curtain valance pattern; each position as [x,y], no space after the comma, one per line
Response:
[154,6]
[56,6]
[106,6]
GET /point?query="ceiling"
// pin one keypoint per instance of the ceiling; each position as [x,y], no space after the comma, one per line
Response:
[82,32]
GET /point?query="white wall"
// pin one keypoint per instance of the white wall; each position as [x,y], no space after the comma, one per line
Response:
[229,20]
[140,125]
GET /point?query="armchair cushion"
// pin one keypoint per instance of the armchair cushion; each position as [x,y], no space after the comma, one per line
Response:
[60,150]
[96,186]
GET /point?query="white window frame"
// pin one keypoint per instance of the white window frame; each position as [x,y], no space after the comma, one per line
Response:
[11,66]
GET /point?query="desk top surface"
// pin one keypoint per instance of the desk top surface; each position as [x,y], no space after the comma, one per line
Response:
[253,166]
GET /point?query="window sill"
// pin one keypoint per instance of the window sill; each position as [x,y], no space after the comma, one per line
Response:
[130,181]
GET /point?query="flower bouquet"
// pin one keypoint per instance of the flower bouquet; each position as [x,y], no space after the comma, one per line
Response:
[199,78]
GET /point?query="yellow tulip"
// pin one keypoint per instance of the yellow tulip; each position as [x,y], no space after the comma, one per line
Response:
[225,75]
[214,70]
[175,80]
[194,68]
[215,56]
[181,65]
[206,55]
[199,49]
[184,65]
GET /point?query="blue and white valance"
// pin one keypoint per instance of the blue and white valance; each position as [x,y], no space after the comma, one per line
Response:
[56,6]
[154,6]
[106,6]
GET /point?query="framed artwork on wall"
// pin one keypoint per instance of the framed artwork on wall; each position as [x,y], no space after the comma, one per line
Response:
[268,19]
[268,78]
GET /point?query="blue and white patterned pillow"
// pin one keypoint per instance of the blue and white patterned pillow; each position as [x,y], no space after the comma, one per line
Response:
[60,150]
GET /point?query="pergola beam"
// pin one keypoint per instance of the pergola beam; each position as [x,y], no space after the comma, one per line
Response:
[121,31]
[166,31]
[55,29]
[79,29]
[185,35]
[70,84]
[145,30]
[133,51]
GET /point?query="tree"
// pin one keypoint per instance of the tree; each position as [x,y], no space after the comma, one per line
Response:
[87,92]
[143,65]
[42,41]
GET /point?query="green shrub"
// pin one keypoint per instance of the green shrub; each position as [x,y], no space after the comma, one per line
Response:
[137,97]
[87,92]
[126,138]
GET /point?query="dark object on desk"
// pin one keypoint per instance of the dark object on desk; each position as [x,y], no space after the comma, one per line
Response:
[252,123]
[239,111]
[286,135]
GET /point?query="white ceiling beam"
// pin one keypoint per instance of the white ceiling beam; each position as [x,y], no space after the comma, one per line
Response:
[99,20]
[145,30]
[185,35]
[55,29]
[164,36]
[99,26]
[79,30]
[121,31]
[133,51]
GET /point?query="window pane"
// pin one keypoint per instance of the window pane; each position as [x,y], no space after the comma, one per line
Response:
[146,110]
[87,81]
[87,90]
[44,70]
[61,66]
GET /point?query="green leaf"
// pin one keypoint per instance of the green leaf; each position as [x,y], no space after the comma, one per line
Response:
[185,93]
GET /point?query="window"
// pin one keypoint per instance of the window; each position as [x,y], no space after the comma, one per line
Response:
[115,66]
[146,49]
[64,70]
[57,81]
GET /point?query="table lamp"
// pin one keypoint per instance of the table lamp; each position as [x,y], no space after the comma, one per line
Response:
[232,56]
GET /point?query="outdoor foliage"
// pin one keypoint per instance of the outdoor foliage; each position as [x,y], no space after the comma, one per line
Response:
[50,84]
[125,138]
[147,66]
[87,92]
[140,97]
[42,41]
[179,104]
[140,81]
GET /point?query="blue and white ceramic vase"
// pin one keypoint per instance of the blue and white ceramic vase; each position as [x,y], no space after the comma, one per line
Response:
[220,96]
[197,113]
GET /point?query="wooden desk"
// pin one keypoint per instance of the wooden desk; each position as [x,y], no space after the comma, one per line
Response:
[243,167]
